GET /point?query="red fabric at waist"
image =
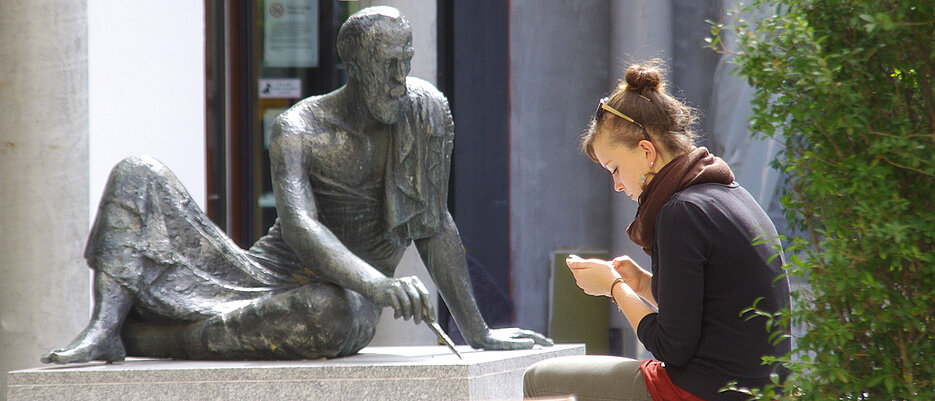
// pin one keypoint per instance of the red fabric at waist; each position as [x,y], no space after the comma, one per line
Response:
[660,385]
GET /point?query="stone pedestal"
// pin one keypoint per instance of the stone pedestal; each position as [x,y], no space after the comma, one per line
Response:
[376,373]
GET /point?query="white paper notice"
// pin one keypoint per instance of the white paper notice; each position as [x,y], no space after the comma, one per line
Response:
[290,37]
[280,88]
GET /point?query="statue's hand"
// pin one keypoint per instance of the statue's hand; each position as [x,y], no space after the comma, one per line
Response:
[510,338]
[407,296]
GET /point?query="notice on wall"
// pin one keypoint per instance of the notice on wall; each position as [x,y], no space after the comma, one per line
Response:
[279,88]
[290,33]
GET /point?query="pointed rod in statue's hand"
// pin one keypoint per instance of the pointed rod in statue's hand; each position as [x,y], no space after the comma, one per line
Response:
[443,337]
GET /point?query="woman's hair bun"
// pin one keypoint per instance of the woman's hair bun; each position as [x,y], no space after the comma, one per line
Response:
[642,77]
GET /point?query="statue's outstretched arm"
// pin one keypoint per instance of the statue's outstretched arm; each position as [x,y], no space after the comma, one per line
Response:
[316,245]
[443,255]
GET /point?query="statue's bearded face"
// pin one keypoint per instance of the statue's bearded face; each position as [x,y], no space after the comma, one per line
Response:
[382,71]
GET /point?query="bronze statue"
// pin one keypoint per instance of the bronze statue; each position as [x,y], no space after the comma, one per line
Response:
[358,174]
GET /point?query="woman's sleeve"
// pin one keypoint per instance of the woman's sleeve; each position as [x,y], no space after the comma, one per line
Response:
[682,244]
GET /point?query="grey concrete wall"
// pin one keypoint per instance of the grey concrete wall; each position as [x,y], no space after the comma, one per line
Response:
[692,66]
[559,68]
[44,282]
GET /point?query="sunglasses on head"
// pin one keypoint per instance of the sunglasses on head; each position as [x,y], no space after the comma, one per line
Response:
[602,106]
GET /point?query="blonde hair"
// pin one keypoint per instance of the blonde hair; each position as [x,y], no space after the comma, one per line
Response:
[642,97]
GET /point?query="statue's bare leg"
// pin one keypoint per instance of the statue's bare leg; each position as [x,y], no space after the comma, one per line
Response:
[100,340]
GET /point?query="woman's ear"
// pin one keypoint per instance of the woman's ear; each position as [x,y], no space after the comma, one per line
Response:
[649,150]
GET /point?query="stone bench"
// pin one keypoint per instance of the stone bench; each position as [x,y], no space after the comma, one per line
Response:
[376,373]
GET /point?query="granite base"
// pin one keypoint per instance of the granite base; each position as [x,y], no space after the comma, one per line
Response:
[376,373]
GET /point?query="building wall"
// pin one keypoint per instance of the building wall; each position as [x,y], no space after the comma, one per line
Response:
[478,89]
[146,63]
[558,199]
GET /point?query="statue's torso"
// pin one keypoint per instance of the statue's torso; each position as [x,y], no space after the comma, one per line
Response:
[346,170]
[376,188]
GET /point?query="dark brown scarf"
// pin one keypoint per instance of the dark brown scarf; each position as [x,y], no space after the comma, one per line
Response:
[695,167]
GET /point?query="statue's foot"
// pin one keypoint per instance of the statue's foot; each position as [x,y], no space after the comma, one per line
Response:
[88,348]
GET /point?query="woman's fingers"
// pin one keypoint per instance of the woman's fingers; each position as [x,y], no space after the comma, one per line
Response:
[593,276]
[575,262]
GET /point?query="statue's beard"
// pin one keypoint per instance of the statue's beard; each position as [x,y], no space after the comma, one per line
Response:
[386,111]
[385,107]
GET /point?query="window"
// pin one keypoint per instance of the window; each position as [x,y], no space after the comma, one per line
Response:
[262,57]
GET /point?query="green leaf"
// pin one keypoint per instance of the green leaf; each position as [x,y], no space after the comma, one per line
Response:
[890,384]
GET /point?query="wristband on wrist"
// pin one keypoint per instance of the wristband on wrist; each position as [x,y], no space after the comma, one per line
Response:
[617,280]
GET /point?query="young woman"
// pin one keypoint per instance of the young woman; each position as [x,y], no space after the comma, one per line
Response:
[714,254]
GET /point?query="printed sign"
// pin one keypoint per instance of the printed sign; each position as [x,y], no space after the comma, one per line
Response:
[280,88]
[290,33]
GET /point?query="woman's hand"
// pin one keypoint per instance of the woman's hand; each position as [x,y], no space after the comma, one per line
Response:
[594,276]
[631,273]
[635,277]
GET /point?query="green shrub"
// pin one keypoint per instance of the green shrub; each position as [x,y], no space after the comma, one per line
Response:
[847,86]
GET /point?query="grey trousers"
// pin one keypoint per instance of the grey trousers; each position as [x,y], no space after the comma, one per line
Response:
[587,377]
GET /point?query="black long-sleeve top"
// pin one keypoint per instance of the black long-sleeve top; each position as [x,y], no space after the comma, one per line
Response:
[706,270]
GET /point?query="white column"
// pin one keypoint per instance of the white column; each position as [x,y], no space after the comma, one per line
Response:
[44,282]
[639,30]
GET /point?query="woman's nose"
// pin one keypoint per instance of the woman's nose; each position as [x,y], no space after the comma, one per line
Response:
[618,185]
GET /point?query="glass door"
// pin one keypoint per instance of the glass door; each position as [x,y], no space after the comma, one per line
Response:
[263,57]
